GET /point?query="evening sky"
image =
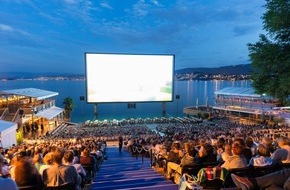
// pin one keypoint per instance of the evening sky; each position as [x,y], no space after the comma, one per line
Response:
[53,35]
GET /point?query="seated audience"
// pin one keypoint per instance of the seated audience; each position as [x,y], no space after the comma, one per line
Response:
[160,152]
[247,152]
[26,174]
[268,142]
[238,160]
[16,157]
[226,154]
[206,154]
[175,153]
[68,161]
[262,158]
[4,167]
[47,162]
[87,158]
[38,161]
[282,154]
[220,148]
[188,158]
[76,156]
[251,145]
[276,180]
[58,174]
[6,182]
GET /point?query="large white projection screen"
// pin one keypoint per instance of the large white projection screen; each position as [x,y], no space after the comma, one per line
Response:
[129,78]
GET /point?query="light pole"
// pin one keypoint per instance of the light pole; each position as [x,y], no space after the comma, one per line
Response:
[82,98]
[163,109]
[177,97]
[95,111]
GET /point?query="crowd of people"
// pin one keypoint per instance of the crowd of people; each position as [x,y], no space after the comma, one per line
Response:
[230,144]
[50,163]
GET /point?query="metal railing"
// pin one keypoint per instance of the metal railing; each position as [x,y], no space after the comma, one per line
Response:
[44,106]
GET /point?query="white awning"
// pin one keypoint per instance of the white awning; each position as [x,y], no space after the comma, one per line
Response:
[50,112]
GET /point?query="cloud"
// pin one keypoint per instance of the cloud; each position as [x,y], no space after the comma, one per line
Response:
[140,8]
[72,2]
[155,2]
[106,5]
[143,8]
[10,29]
[79,9]
[6,28]
[48,16]
[197,32]
[243,30]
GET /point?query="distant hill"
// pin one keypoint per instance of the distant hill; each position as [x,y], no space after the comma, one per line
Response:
[230,70]
[28,75]
[244,69]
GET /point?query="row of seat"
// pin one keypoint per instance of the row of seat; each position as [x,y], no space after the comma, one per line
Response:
[90,175]
[66,186]
[251,172]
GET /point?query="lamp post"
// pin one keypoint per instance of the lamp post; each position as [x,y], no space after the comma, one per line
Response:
[95,111]
[163,109]
[177,97]
[82,98]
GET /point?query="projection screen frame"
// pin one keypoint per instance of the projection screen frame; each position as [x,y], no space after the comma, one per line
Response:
[167,83]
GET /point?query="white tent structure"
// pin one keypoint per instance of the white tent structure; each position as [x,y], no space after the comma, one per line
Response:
[8,133]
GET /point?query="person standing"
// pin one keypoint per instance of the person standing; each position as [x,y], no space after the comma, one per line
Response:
[120,143]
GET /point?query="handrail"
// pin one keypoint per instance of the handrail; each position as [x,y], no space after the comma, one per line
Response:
[4,113]
[137,150]
[27,110]
[15,115]
[44,106]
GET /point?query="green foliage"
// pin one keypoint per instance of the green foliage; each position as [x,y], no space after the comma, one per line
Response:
[198,115]
[68,106]
[271,58]
[205,115]
[19,137]
[276,19]
[278,120]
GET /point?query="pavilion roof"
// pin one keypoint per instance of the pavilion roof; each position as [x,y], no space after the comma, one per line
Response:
[238,91]
[31,92]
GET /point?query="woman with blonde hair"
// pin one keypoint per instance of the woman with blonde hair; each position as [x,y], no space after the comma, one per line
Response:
[226,154]
[47,160]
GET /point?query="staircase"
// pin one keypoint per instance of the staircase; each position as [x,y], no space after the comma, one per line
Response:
[122,171]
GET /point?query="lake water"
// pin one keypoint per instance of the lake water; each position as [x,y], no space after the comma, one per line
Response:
[190,93]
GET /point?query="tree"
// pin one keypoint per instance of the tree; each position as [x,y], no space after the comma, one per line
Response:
[270,56]
[68,106]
